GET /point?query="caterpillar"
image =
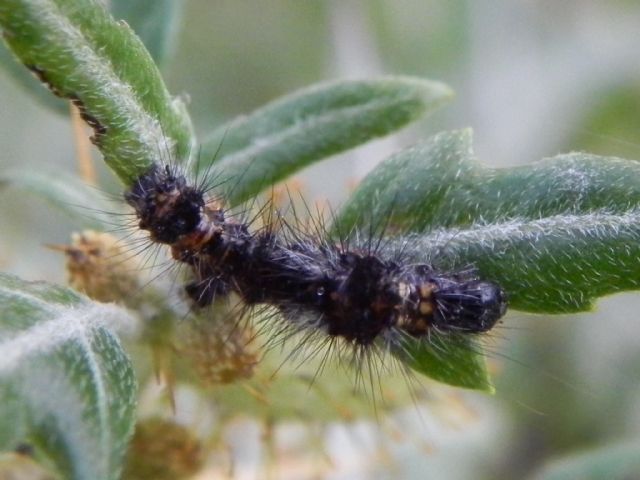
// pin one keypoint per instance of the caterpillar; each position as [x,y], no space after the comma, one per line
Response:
[348,291]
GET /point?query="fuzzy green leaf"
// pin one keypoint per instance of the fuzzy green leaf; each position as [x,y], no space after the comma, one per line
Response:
[555,235]
[78,200]
[558,264]
[439,183]
[82,54]
[66,386]
[290,133]
[618,462]
[155,22]
[454,360]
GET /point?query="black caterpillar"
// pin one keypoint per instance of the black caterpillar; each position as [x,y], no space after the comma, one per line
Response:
[354,294]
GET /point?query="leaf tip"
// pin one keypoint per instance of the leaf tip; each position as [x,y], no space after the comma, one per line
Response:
[432,93]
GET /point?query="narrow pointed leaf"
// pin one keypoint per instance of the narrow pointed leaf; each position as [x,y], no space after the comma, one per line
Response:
[66,386]
[82,54]
[155,22]
[288,134]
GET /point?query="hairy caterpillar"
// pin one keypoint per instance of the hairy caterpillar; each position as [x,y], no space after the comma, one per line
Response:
[348,290]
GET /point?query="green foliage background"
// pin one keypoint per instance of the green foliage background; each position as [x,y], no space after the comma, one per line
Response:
[536,84]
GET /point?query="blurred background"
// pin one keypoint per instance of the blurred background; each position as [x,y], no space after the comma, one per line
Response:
[532,78]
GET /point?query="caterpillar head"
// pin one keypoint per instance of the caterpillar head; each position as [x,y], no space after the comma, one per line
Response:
[165,204]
